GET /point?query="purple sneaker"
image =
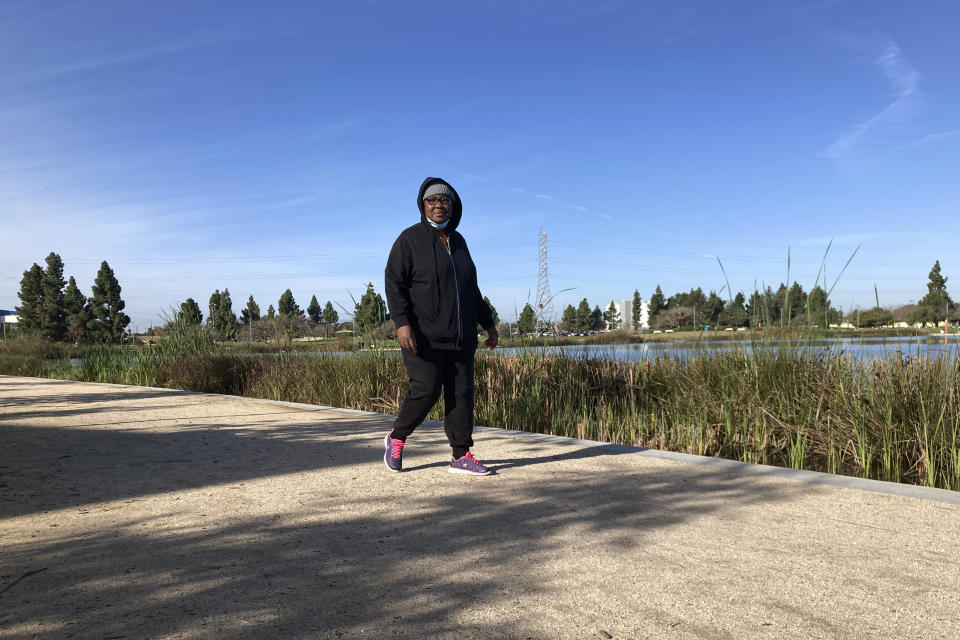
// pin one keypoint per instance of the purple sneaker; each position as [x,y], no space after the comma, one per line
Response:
[469,465]
[393,457]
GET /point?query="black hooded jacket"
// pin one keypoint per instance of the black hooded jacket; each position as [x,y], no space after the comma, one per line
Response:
[432,289]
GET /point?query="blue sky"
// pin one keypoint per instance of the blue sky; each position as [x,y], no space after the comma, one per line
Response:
[280,145]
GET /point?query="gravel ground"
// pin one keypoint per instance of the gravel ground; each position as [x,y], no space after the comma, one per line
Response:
[128,512]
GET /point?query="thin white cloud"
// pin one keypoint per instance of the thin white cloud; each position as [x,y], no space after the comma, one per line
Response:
[576,206]
[905,80]
[542,196]
[931,139]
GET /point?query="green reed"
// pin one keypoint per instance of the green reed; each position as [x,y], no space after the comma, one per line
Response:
[896,418]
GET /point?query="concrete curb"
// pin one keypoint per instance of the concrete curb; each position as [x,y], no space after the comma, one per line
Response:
[733,466]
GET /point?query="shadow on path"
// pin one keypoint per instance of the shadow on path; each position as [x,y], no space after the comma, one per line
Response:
[420,554]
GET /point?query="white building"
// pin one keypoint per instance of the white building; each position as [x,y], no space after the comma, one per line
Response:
[625,311]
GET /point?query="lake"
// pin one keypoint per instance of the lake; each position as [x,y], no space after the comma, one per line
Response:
[862,348]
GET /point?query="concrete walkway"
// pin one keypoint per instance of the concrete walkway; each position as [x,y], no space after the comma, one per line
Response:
[130,513]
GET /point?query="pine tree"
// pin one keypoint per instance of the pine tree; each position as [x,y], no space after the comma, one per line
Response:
[657,304]
[330,316]
[190,312]
[313,310]
[30,310]
[936,288]
[53,319]
[637,309]
[734,314]
[75,306]
[570,318]
[712,309]
[370,312]
[757,309]
[287,306]
[107,320]
[227,319]
[596,319]
[251,313]
[819,310]
[527,320]
[797,301]
[934,306]
[270,312]
[584,316]
[612,317]
[213,318]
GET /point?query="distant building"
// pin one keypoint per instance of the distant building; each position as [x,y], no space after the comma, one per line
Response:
[625,312]
[8,317]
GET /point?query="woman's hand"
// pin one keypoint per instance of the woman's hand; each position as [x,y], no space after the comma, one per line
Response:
[406,339]
[492,338]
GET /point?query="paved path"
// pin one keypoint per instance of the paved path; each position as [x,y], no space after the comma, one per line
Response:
[143,513]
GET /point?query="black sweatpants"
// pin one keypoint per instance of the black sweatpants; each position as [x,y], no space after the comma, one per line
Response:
[431,370]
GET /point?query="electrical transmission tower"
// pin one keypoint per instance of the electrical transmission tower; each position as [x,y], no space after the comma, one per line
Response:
[544,297]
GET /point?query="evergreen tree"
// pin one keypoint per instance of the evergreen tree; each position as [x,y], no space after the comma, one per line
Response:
[570,318]
[213,318]
[190,312]
[584,316]
[74,304]
[330,316]
[695,299]
[370,312]
[758,308]
[527,319]
[107,320]
[226,318]
[933,307]
[270,312]
[287,306]
[797,301]
[313,310]
[734,314]
[637,309]
[819,311]
[30,310]
[657,304]
[712,309]
[596,316]
[53,319]
[612,317]
[251,313]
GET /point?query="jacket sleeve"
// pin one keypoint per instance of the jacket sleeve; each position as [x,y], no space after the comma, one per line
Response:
[484,315]
[397,283]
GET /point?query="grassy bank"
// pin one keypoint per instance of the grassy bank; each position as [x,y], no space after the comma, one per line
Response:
[893,419]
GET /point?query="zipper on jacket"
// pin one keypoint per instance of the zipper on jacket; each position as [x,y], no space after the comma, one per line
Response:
[456,284]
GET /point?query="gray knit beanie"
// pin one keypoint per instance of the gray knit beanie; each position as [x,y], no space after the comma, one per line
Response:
[439,189]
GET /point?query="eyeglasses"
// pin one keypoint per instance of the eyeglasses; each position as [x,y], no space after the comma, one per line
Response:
[435,200]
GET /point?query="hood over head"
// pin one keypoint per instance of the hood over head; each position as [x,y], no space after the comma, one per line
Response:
[457,206]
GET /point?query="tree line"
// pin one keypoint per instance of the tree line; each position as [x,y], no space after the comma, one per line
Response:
[55,309]
[287,318]
[791,305]
[784,306]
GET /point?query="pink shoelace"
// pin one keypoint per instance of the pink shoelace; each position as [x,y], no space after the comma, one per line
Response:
[469,456]
[396,447]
